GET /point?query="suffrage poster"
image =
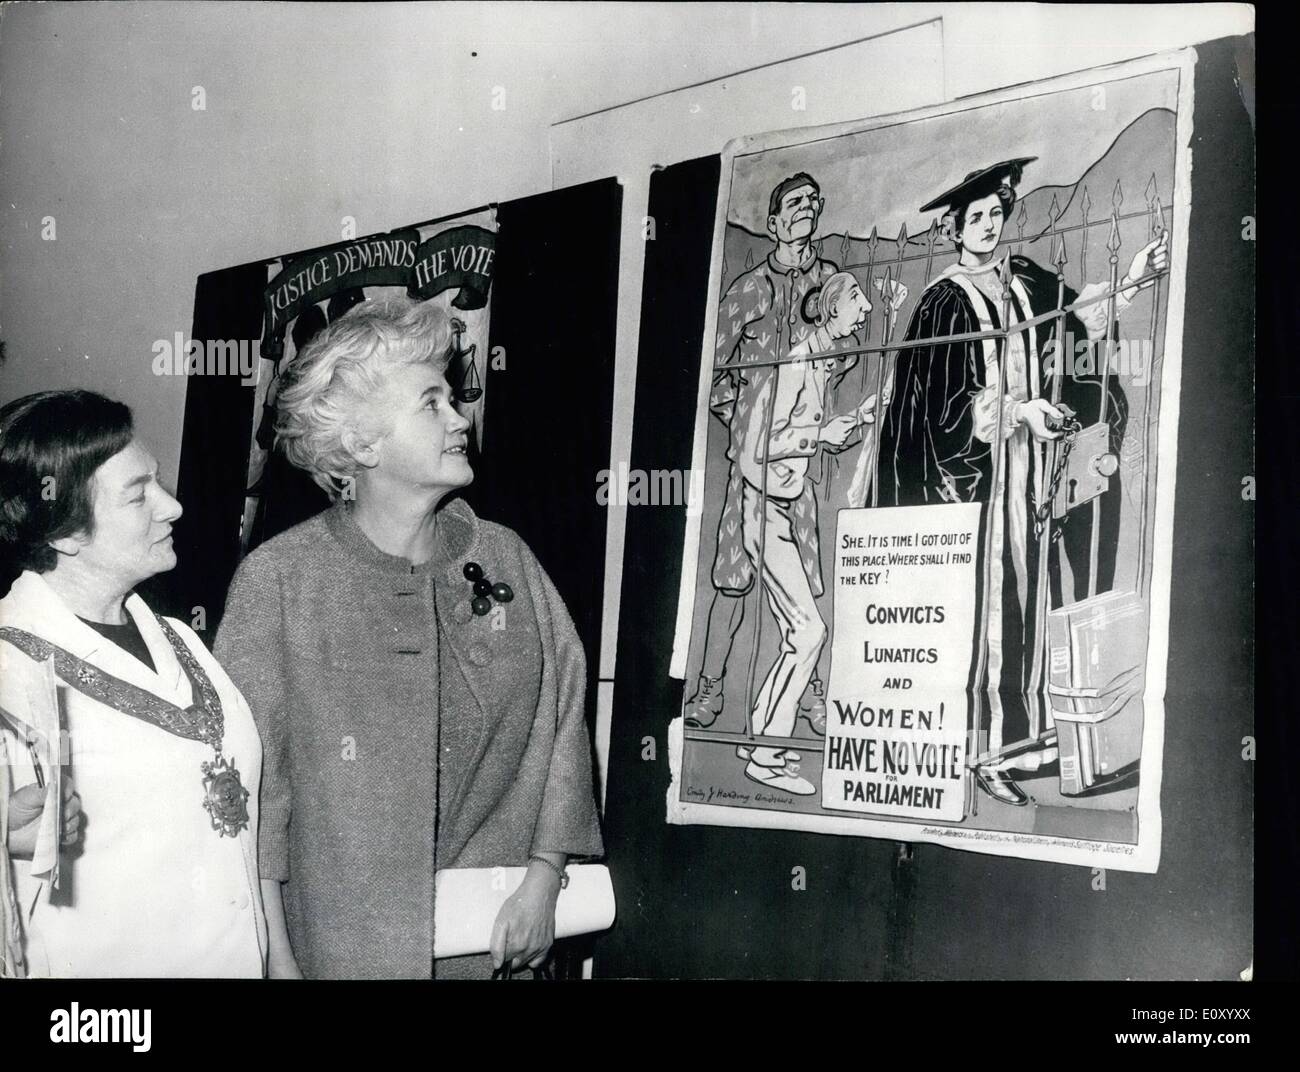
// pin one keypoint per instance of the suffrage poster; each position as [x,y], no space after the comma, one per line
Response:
[926,580]
[449,262]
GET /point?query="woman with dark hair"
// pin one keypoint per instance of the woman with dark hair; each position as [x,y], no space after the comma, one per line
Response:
[416,677]
[162,879]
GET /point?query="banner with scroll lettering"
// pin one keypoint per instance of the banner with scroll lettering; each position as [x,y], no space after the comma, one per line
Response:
[925,584]
[449,262]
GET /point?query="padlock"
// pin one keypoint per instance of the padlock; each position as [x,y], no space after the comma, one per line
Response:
[1088,470]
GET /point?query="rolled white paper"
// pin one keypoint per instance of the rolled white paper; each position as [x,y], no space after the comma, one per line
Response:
[467,900]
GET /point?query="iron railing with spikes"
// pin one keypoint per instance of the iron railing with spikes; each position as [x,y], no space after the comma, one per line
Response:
[1157,218]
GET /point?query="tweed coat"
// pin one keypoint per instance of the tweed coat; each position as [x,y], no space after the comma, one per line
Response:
[402,733]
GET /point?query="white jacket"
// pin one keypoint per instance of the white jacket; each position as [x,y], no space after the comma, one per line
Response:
[152,889]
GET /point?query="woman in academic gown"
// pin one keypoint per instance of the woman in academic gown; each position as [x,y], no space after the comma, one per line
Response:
[938,435]
[415,675]
[161,880]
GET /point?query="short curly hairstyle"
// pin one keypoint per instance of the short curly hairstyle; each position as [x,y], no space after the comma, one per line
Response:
[325,388]
[51,443]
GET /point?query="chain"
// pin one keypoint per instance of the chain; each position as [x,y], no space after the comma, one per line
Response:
[1070,428]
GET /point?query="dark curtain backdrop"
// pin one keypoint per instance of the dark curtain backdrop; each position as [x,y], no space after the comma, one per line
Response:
[547,422]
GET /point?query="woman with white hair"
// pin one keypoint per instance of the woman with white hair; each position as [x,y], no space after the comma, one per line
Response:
[416,678]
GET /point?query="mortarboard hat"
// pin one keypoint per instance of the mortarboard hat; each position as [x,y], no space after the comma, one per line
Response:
[979,183]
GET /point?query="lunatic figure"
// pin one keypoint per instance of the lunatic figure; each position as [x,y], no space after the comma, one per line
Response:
[790,431]
[936,440]
[801,436]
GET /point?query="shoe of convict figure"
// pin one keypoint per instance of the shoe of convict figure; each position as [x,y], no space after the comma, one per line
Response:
[744,751]
[812,706]
[703,709]
[786,778]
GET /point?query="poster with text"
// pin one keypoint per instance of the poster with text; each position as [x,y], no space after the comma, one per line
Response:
[925,591]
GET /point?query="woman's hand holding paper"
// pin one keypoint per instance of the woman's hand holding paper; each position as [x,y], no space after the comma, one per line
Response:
[26,805]
[525,927]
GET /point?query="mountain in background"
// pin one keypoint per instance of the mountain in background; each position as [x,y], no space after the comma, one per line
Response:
[1141,159]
